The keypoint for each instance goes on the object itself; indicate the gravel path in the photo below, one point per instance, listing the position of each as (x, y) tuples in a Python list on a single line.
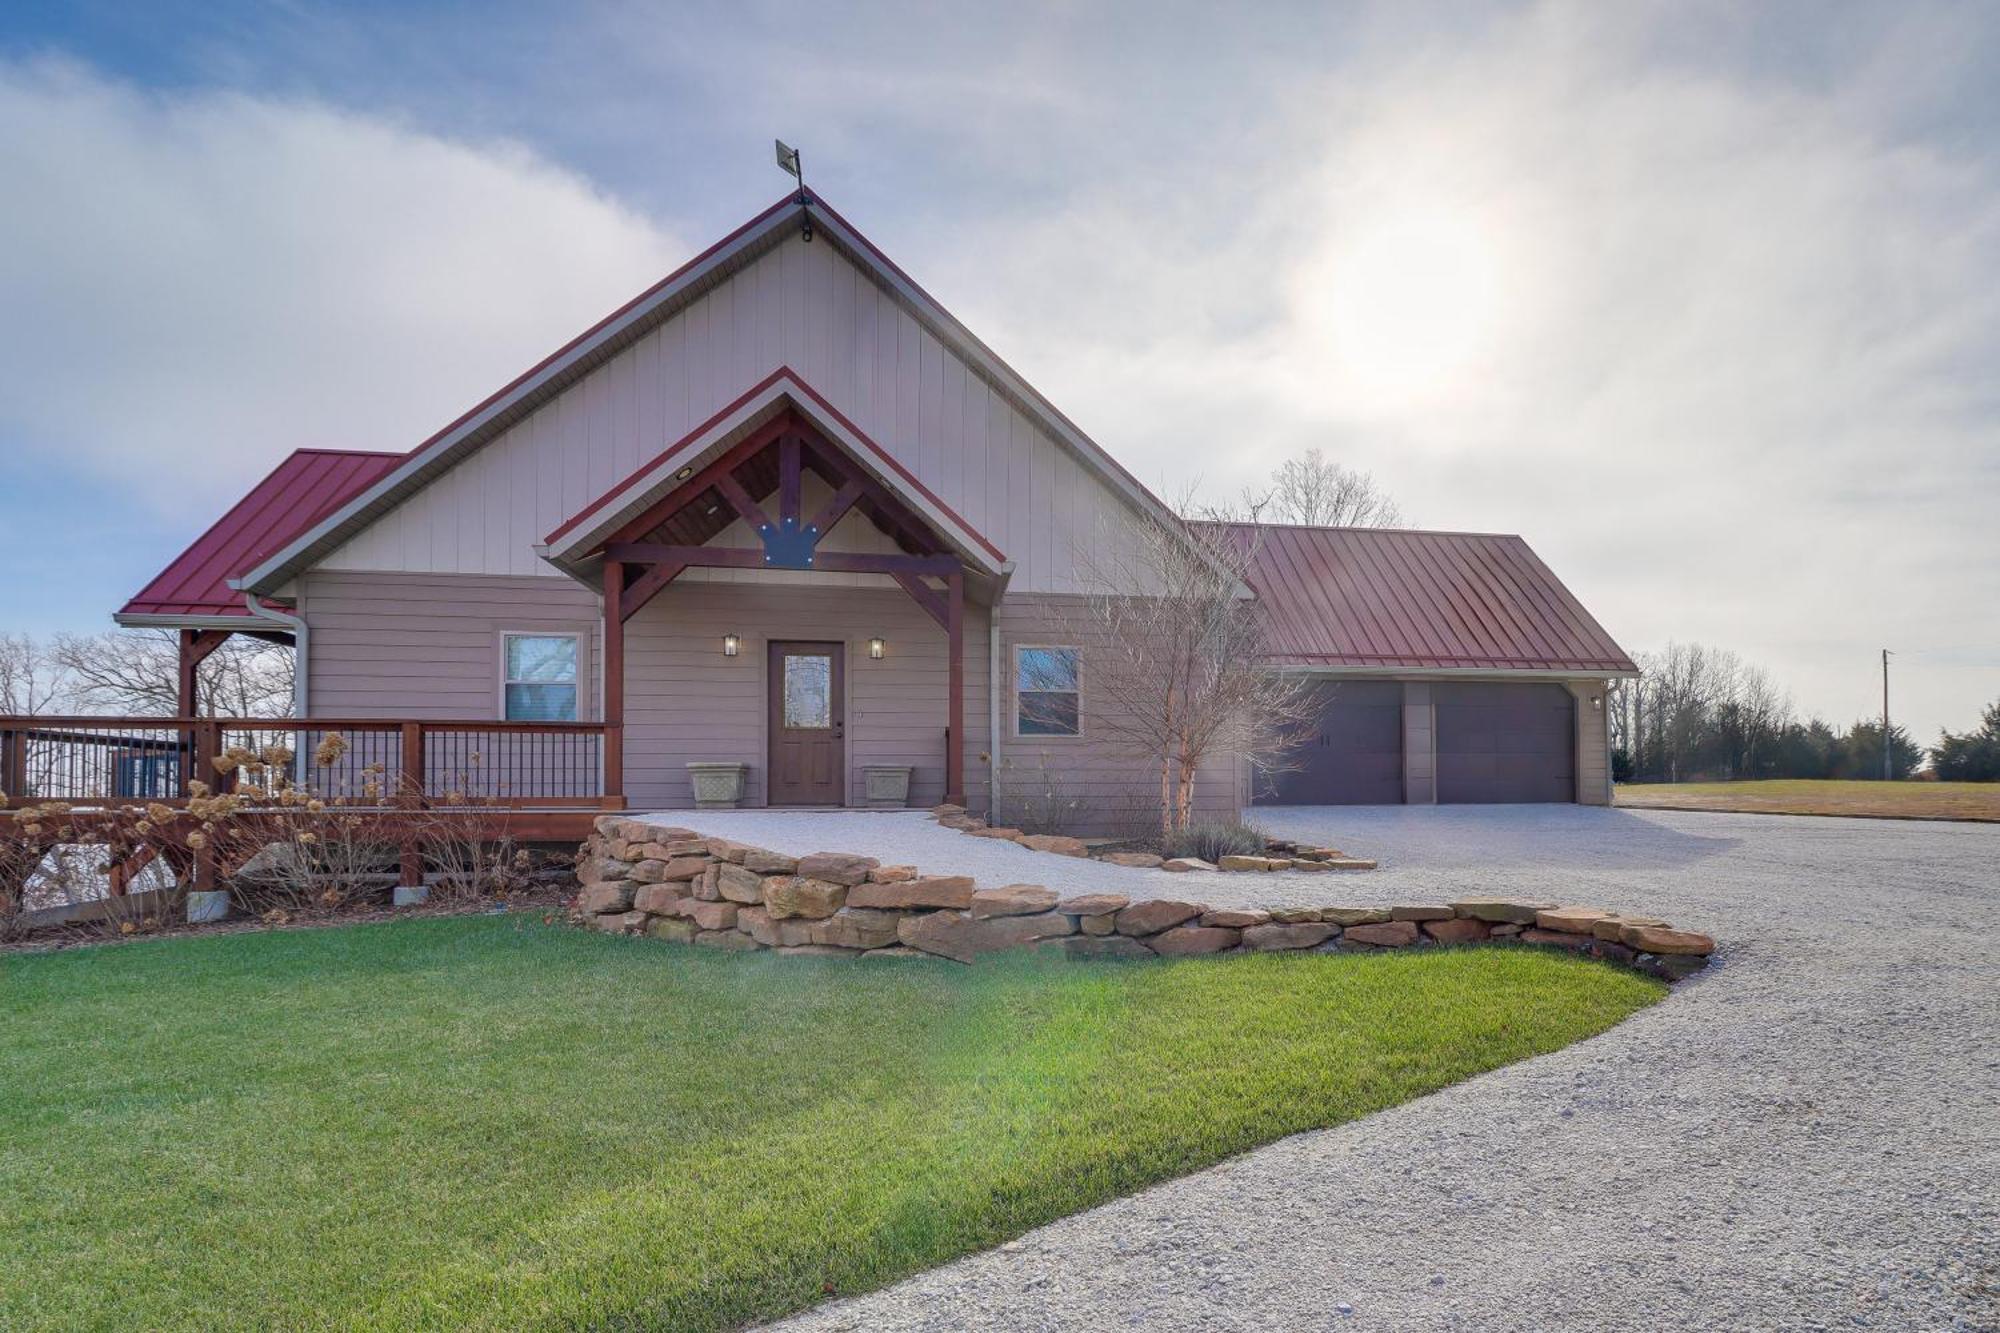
[(1807, 1136)]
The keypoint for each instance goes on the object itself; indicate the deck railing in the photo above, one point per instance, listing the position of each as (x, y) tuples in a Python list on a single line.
[(434, 764)]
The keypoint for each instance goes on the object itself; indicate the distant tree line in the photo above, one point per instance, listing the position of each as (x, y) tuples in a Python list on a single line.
[(1702, 713)]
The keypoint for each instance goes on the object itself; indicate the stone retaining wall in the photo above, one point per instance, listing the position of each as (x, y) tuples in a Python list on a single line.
[(675, 884)]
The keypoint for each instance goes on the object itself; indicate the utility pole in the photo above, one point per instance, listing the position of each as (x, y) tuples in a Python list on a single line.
[(1888, 771)]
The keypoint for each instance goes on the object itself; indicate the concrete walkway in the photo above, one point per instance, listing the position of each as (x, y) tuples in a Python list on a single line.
[(1807, 1136)]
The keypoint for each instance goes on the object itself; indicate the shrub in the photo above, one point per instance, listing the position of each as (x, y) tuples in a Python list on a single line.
[(1213, 841)]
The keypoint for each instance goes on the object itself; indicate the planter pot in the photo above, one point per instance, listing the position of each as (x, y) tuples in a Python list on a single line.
[(717, 786), (887, 785), (206, 905)]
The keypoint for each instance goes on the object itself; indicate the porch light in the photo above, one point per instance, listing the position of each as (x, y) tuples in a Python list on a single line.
[(876, 647), (731, 644)]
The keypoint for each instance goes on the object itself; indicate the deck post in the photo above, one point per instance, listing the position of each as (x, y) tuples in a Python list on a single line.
[(954, 755), (614, 679), (13, 767)]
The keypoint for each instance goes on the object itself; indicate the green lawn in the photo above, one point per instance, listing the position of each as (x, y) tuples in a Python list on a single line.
[(1800, 796), (496, 1123)]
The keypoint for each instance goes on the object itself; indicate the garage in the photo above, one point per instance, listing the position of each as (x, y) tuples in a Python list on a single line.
[(1505, 743), (1353, 755)]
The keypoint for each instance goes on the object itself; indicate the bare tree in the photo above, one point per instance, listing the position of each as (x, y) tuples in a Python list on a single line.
[(135, 671), (1309, 491), (32, 680), (1174, 656)]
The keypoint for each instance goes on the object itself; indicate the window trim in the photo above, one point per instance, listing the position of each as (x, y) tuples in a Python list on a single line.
[(583, 667), (1014, 693)]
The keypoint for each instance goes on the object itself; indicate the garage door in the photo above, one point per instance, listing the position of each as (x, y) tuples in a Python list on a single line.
[(1354, 755), (1500, 743)]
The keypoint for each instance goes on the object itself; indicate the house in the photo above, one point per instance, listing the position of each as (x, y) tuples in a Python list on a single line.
[(783, 510)]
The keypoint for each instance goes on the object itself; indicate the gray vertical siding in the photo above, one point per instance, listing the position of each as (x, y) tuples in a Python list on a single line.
[(1419, 745)]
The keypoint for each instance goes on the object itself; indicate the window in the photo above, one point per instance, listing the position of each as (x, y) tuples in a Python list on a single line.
[(808, 692), (1045, 692), (540, 677)]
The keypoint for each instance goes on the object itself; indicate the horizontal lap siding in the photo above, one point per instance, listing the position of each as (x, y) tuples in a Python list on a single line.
[(685, 701), (1116, 790), (427, 646)]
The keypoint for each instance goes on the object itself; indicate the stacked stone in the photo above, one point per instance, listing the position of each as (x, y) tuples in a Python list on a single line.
[(1278, 854), (675, 884)]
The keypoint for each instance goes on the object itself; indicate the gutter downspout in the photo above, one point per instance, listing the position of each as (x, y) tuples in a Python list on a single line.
[(301, 643), (993, 711)]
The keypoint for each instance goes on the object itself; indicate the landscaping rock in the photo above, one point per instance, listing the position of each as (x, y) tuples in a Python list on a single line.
[(648, 872), (609, 896), (735, 941), (1295, 916), (1612, 927), (1613, 952), (1098, 925), (963, 823), (1664, 940), (892, 874), (1382, 934), (856, 928), (683, 868), (1571, 920), (659, 899), (1136, 860), (671, 929), (1349, 863), (602, 870), (1094, 904), (621, 923), (1671, 967), (769, 863), (1281, 935), (712, 916), (820, 951), (738, 885), (801, 895), (1012, 900), (953, 891), (1261, 863), (947, 809), (1354, 916), (1099, 947), (1561, 939), (724, 850), (1307, 863), (836, 868), (954, 935), (1458, 930), (709, 886), (1421, 913), (1507, 910), (1506, 930), (1155, 915), (896, 951), (1183, 864), (1193, 940), (1235, 918), (1053, 842), (676, 847), (756, 922), (1004, 834)]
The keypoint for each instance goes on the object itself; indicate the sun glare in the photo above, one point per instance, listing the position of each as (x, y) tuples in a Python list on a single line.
[(1406, 305)]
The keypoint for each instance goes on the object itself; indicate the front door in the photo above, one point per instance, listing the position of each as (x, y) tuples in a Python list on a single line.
[(808, 724)]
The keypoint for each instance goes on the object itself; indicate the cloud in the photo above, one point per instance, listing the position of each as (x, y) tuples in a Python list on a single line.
[(1726, 363), (195, 284)]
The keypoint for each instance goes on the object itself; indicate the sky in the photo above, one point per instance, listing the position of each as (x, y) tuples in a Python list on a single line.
[(1700, 298)]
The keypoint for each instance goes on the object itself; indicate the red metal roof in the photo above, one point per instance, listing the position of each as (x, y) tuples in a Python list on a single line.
[(298, 493), (1395, 598)]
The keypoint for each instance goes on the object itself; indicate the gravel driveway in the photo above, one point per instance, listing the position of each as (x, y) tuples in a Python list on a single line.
[(1806, 1136)]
